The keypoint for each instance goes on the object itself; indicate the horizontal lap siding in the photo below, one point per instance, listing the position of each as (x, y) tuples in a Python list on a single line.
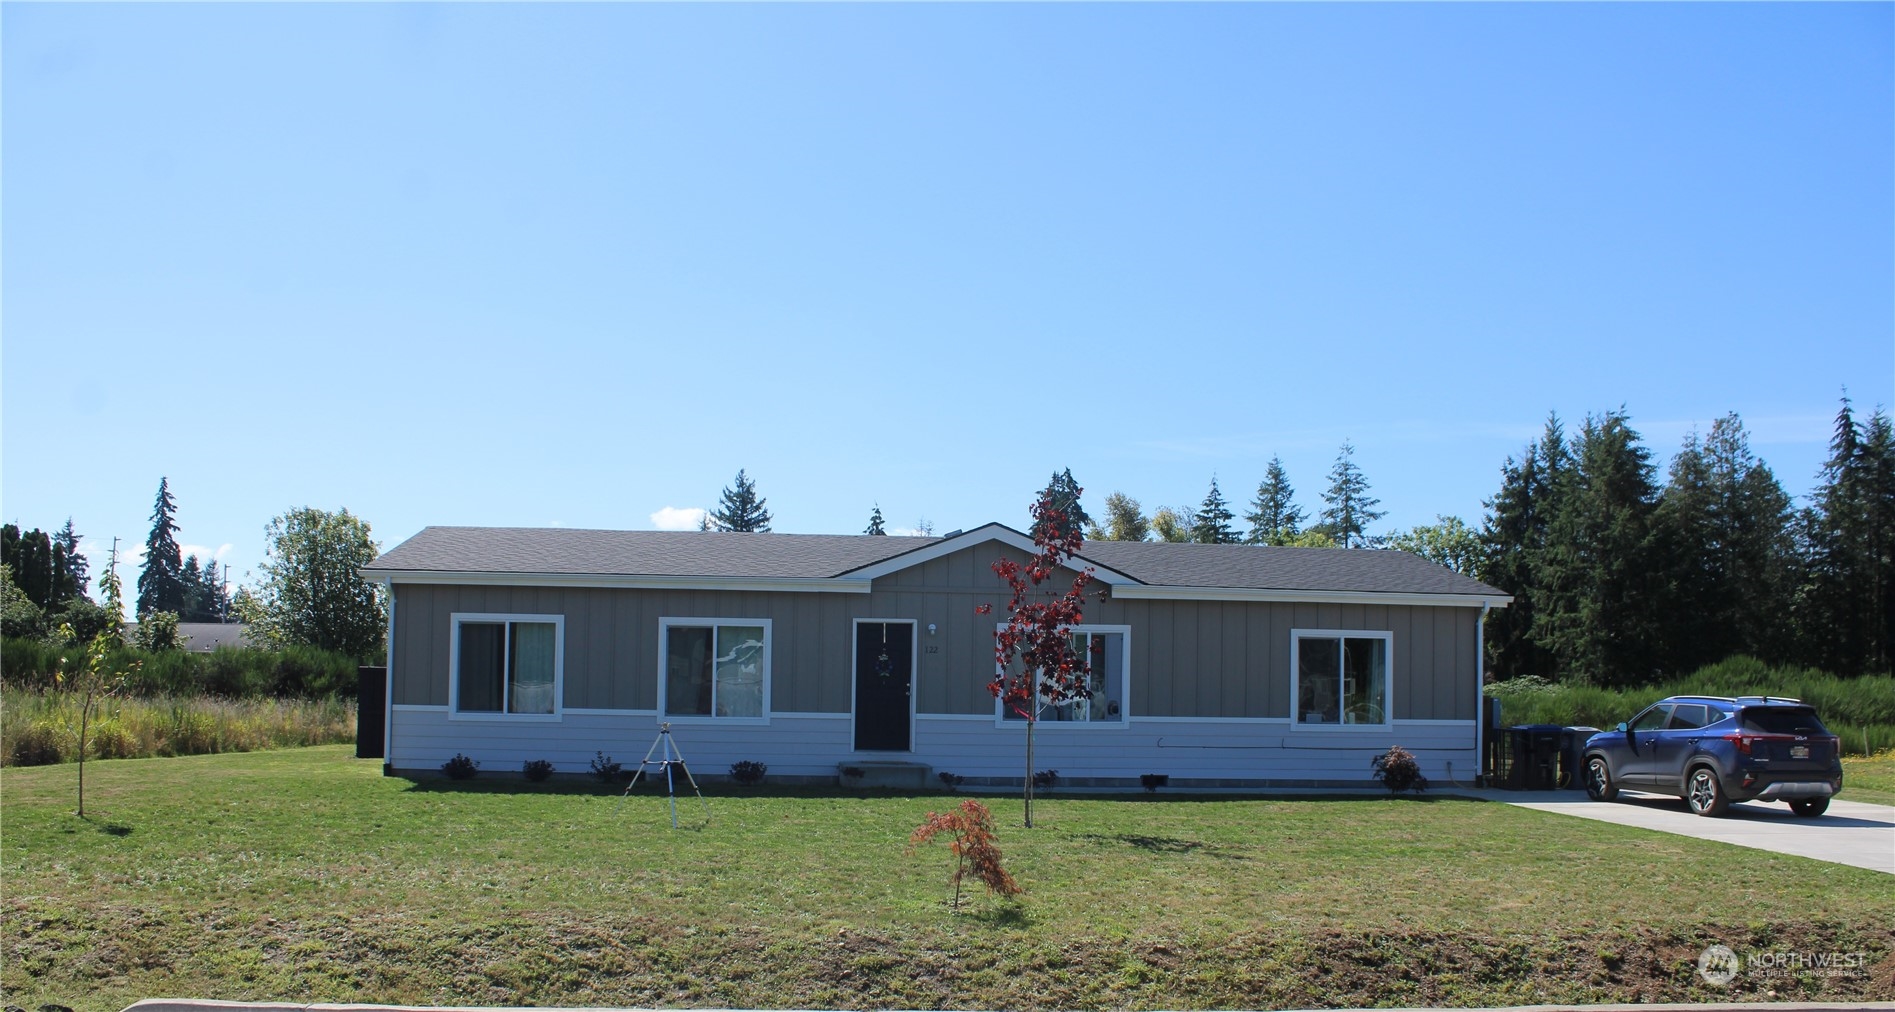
[(1216, 751), (801, 746), (815, 746)]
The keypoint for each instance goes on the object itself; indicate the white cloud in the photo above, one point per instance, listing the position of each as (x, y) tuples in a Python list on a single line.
[(205, 552), (678, 518)]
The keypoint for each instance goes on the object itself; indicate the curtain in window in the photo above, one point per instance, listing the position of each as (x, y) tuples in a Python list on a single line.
[(1364, 680), (482, 666), (531, 690), (740, 671)]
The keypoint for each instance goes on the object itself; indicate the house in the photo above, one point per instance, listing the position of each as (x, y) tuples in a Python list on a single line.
[(1227, 665)]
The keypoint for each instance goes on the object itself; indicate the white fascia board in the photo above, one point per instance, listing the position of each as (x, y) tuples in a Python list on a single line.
[(1146, 592), (980, 535), (831, 585)]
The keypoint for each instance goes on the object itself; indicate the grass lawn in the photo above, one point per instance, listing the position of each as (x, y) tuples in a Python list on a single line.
[(304, 875), (1869, 778)]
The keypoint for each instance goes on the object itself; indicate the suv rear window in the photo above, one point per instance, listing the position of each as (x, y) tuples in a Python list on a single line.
[(1783, 720)]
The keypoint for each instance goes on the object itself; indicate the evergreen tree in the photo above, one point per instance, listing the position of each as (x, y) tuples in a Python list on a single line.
[(1274, 517), (1211, 526), (193, 590), (1513, 537), (1725, 529), (1064, 492), (29, 555), (875, 522), (1124, 520), (161, 583), (74, 570), (741, 509), (1842, 606), (1597, 585), (1349, 508)]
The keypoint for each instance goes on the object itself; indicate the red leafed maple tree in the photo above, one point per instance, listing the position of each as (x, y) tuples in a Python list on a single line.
[(972, 829), (1035, 663)]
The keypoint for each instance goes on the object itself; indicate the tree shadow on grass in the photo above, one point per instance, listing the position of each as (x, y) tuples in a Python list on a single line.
[(1162, 845), (1002, 915)]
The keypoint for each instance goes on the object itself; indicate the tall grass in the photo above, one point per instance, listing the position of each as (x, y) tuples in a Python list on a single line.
[(1860, 710), (40, 726)]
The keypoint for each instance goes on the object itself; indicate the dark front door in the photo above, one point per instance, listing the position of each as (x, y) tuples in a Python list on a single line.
[(884, 679)]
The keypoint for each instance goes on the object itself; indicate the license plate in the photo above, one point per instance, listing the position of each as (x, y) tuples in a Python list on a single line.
[(1799, 751)]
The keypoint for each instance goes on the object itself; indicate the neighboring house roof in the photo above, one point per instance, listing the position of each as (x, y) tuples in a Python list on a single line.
[(851, 561), (203, 637)]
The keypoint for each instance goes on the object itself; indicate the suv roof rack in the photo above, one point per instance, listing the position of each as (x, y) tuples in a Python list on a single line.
[(1768, 699)]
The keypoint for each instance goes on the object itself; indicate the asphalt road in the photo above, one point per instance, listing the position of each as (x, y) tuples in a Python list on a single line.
[(1851, 832)]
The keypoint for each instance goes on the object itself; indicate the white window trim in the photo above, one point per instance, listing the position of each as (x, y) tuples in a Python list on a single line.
[(454, 666), (664, 641), (1125, 686), (1297, 636)]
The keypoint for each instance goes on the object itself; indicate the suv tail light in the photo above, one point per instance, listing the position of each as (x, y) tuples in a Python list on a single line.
[(1746, 740)]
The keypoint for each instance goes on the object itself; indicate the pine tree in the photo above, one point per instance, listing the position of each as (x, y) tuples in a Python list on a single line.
[(160, 583), (1843, 606), (1274, 517), (74, 570), (1598, 579), (741, 509), (1725, 525), (193, 582), (1064, 492), (1124, 520), (1513, 537), (1350, 509), (875, 522), (1212, 523)]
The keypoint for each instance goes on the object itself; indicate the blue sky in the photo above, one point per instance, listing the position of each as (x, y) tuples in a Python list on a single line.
[(576, 265)]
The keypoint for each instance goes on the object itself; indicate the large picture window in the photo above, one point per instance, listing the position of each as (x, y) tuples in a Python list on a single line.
[(507, 664), (1104, 648), (716, 667), (1340, 677)]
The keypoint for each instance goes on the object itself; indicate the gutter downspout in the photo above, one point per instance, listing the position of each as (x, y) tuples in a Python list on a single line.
[(388, 692), (1480, 696)]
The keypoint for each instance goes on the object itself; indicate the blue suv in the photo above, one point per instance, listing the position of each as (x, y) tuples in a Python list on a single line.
[(1713, 750)]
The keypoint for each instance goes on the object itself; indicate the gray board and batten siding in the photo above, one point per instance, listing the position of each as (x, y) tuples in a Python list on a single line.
[(1207, 676)]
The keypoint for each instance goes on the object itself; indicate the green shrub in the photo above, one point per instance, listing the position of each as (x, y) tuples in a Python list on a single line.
[(1860, 710), (236, 672)]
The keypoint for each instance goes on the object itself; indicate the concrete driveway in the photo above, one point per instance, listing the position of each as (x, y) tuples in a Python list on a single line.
[(1851, 832)]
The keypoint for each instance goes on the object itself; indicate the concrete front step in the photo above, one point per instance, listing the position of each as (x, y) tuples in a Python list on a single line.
[(885, 773)]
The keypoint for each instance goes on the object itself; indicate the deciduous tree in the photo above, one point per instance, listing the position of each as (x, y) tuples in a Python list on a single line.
[(313, 591), (1124, 521), (1035, 661), (1448, 542)]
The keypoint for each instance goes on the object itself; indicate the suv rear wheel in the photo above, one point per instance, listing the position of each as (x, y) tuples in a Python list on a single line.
[(1809, 808), (1704, 793), (1599, 785)]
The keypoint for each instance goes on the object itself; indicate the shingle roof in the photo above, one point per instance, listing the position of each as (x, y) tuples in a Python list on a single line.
[(1256, 567), (574, 552), (571, 552)]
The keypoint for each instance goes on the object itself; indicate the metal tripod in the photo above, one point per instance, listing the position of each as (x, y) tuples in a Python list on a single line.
[(672, 757)]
